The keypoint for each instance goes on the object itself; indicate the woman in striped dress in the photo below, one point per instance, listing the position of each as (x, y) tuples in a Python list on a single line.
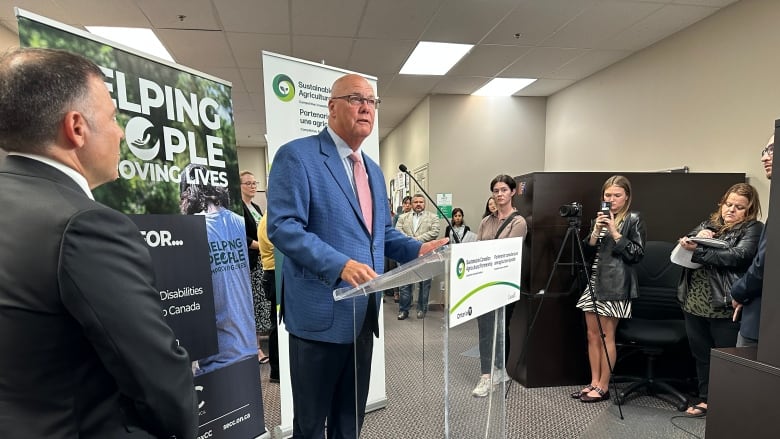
[(617, 239)]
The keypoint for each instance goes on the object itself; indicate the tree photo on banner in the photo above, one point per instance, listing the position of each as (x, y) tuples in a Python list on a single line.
[(179, 157), (171, 118)]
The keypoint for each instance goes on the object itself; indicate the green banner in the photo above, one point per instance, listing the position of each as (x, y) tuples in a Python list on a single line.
[(179, 157), (171, 117)]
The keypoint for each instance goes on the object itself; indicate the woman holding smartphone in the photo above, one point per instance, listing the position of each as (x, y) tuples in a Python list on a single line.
[(616, 242)]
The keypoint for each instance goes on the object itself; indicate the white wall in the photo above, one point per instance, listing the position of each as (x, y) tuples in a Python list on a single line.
[(475, 138), (706, 97), (408, 143), (468, 140)]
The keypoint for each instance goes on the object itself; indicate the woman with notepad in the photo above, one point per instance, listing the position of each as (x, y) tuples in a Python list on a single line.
[(724, 245)]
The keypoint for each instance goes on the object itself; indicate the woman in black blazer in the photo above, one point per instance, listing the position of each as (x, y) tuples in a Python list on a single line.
[(616, 241)]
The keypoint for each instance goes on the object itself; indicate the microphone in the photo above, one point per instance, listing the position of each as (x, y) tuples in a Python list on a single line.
[(402, 167)]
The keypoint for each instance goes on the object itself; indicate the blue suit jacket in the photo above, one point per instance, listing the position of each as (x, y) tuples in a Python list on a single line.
[(747, 291), (314, 219)]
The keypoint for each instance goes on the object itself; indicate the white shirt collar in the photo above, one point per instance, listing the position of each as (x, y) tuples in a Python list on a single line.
[(342, 147), (70, 172)]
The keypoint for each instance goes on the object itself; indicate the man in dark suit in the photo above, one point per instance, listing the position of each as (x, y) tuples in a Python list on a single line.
[(746, 291), (333, 226), (85, 350)]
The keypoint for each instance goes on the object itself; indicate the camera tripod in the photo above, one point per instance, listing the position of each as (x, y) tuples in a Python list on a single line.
[(579, 267)]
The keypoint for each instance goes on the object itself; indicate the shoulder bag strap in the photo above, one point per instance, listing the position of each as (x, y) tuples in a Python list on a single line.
[(506, 223)]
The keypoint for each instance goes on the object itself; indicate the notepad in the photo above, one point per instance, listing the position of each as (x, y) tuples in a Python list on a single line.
[(710, 242), (681, 256)]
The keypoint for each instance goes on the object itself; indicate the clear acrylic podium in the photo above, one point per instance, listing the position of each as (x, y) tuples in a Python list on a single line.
[(440, 361)]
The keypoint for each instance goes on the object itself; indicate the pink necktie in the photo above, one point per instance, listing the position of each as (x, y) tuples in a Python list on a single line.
[(363, 190)]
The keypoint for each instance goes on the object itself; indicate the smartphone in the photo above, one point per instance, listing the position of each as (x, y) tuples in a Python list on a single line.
[(605, 207)]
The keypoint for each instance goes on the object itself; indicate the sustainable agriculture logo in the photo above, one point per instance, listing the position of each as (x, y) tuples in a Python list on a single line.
[(284, 89), (460, 268)]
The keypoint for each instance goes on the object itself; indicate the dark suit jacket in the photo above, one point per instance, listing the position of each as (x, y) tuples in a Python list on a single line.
[(314, 219), (84, 350), (747, 291)]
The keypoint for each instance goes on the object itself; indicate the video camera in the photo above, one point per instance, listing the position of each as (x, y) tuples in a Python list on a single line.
[(571, 210)]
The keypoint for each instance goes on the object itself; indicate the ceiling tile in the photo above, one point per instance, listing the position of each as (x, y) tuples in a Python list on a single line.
[(250, 118), (180, 14), (229, 74), (397, 19), (46, 8), (253, 80), (587, 64), (308, 17), (333, 51), (241, 101), (540, 62), (488, 60), (466, 21), (599, 22), (8, 37), (536, 20), (657, 26), (384, 131), (394, 110), (407, 86), (713, 3), (460, 85), (189, 46), (248, 48), (559, 40), (258, 101), (545, 87), (107, 13), (261, 16), (377, 57), (250, 134), (10, 25)]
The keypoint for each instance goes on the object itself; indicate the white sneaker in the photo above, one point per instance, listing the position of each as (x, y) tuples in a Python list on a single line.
[(500, 376), (483, 388)]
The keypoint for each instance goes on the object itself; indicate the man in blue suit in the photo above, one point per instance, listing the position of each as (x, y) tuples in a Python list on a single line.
[(746, 291), (332, 237)]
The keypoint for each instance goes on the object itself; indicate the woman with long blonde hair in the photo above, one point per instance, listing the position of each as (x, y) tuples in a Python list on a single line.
[(616, 242)]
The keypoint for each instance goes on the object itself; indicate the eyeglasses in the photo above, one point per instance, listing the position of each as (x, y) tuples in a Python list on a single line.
[(250, 183), (769, 150), (356, 100)]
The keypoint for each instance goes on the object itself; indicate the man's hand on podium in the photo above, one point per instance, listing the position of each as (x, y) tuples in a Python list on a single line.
[(355, 273), (430, 246)]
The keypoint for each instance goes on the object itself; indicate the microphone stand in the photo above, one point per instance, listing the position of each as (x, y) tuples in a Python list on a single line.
[(405, 170)]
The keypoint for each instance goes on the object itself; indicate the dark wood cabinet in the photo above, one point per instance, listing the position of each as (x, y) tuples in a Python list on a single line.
[(553, 351)]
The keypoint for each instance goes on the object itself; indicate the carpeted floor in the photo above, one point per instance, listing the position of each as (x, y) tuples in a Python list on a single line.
[(416, 408)]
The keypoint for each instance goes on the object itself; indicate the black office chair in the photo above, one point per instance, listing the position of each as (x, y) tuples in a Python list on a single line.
[(657, 324)]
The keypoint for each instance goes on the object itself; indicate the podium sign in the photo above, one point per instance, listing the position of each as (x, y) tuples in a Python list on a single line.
[(484, 276), (480, 277)]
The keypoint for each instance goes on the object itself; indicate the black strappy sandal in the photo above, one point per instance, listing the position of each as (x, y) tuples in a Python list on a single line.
[(578, 394), (603, 396)]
